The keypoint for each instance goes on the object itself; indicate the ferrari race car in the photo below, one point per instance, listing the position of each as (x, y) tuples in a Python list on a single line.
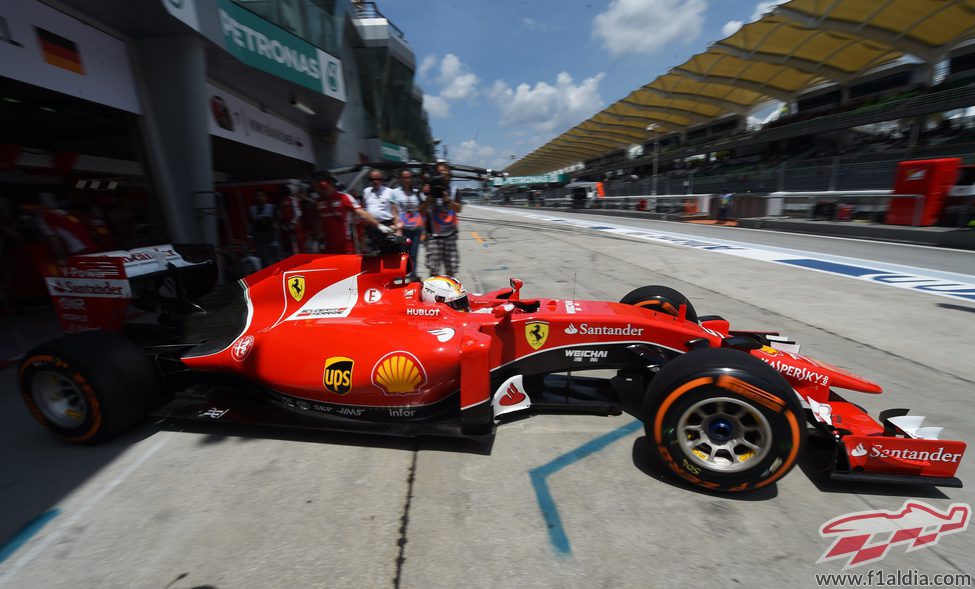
[(348, 343)]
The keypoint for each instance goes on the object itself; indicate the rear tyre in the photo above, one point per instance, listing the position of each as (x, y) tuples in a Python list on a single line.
[(724, 420), (662, 299), (90, 386)]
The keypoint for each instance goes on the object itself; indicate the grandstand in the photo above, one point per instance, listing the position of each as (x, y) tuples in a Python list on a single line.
[(852, 87)]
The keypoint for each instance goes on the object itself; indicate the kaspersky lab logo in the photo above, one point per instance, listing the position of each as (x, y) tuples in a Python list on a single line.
[(865, 537)]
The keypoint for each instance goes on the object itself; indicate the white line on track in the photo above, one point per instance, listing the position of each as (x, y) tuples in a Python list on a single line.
[(777, 232), (850, 239), (60, 529), (934, 282)]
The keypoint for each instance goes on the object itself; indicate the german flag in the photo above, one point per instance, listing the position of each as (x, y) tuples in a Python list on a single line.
[(59, 51)]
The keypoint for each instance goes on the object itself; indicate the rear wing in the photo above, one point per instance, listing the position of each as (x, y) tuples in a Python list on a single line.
[(94, 291)]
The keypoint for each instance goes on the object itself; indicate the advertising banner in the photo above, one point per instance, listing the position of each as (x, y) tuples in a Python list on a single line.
[(233, 118), (262, 44), (539, 179), (393, 152), (184, 10), (47, 48)]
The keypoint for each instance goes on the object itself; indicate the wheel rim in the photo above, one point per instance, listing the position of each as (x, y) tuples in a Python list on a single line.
[(59, 399), (724, 434)]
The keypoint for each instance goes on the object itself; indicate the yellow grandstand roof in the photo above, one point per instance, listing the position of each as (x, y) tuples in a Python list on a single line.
[(831, 54), (718, 67), (722, 95), (802, 44), (933, 24)]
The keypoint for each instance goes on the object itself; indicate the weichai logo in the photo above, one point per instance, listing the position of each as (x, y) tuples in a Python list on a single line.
[(338, 375)]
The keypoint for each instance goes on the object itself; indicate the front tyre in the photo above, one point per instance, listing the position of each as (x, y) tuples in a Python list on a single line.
[(89, 387), (662, 299), (724, 420)]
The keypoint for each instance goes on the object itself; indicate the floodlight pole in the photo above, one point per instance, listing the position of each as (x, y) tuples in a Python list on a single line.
[(656, 154)]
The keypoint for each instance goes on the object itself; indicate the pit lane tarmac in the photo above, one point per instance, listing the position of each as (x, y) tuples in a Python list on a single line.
[(161, 508)]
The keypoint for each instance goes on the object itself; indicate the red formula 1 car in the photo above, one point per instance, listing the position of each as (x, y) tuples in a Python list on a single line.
[(347, 343)]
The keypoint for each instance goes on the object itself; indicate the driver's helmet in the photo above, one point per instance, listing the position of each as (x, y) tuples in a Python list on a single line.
[(445, 289)]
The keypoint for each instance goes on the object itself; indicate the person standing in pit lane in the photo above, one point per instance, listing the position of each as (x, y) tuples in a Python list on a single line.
[(381, 204), (441, 209), (67, 235), (289, 212), (724, 206), (407, 201), (311, 223), (338, 211), (264, 229)]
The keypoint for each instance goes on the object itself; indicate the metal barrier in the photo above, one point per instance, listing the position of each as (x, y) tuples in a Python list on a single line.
[(812, 206), (829, 205), (685, 204), (849, 172)]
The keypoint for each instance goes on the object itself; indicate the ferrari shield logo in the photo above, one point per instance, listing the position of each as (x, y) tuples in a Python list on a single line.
[(536, 332), (296, 286)]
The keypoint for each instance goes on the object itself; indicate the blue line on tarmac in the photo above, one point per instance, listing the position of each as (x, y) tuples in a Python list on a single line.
[(833, 267), (546, 503), (26, 533), (946, 284)]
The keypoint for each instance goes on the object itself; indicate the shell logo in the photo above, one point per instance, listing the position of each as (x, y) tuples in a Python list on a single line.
[(399, 373)]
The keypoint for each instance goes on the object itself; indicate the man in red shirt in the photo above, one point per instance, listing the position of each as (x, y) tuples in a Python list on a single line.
[(336, 210), (66, 233), (289, 214)]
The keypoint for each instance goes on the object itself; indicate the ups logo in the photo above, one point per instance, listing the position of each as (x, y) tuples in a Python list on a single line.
[(338, 375)]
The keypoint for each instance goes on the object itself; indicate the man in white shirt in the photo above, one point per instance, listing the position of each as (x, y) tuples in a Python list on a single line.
[(379, 202)]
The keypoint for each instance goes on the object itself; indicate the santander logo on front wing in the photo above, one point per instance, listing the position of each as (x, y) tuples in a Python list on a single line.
[(904, 455)]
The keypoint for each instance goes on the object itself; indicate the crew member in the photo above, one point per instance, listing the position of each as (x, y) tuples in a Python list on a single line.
[(724, 206), (264, 229), (309, 222), (338, 211), (67, 234), (289, 211)]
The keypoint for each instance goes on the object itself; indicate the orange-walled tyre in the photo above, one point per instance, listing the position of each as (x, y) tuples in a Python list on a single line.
[(90, 386), (724, 420), (662, 299)]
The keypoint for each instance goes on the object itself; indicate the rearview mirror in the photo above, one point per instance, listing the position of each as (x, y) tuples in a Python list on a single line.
[(516, 286)]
